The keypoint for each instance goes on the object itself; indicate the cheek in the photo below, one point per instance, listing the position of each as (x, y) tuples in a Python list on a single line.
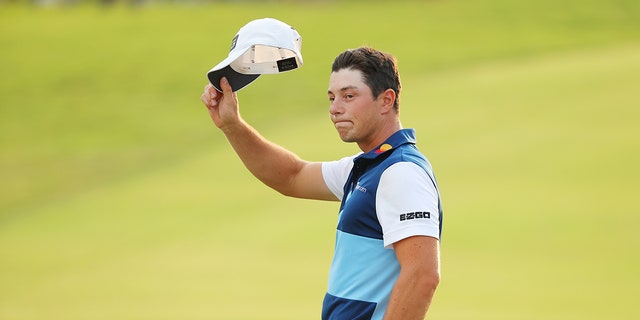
[(358, 112), (364, 115)]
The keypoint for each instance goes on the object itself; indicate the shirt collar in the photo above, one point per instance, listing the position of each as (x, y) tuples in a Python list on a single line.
[(397, 139)]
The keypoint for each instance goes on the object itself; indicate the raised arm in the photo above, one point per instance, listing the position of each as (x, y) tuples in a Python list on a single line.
[(275, 166)]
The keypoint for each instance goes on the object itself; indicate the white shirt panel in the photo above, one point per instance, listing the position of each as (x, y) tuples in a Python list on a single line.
[(405, 188), (336, 173)]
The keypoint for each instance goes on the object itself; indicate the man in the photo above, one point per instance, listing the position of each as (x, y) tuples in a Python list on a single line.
[(386, 262)]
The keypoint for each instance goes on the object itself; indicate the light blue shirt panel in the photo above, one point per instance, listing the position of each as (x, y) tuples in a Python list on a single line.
[(368, 271)]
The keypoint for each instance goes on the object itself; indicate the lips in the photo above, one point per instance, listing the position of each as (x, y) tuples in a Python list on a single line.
[(341, 123), (337, 121)]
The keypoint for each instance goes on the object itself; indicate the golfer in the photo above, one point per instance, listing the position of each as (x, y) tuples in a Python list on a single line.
[(386, 262)]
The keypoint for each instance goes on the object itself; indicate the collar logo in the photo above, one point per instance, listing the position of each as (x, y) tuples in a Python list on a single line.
[(383, 148)]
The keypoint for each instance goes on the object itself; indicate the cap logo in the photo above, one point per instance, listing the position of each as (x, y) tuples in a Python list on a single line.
[(234, 42), (287, 64)]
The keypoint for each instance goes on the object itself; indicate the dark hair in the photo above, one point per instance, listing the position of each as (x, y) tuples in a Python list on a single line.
[(379, 69)]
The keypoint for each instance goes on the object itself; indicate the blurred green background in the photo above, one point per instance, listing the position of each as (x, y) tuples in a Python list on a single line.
[(121, 200)]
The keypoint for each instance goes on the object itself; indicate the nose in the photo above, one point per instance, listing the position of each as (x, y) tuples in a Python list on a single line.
[(335, 108)]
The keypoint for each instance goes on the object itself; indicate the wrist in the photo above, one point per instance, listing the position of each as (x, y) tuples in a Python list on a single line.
[(234, 128)]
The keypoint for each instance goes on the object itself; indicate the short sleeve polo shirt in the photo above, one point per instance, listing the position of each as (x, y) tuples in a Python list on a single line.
[(388, 194)]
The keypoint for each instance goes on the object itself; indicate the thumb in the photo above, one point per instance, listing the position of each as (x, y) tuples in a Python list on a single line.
[(225, 86), (228, 95)]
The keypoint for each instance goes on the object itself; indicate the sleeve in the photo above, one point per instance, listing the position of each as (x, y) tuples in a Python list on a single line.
[(336, 173), (407, 203)]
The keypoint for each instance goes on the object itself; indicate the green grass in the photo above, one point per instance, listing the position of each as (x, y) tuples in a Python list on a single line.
[(122, 201)]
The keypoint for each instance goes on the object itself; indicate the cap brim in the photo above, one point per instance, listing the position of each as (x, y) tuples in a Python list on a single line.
[(236, 80), (223, 69)]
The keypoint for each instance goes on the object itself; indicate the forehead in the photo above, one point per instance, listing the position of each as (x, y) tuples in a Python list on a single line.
[(346, 78)]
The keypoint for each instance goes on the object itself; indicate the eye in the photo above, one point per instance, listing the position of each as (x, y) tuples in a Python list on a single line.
[(331, 99), (348, 96)]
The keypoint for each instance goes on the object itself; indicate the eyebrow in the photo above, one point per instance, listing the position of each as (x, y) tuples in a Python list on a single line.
[(344, 89)]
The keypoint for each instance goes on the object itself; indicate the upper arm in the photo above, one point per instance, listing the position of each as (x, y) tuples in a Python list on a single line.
[(419, 254), (320, 180), (407, 203), (308, 183)]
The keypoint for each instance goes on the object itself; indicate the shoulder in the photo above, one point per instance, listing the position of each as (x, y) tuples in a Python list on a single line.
[(338, 167), (404, 173), (335, 174)]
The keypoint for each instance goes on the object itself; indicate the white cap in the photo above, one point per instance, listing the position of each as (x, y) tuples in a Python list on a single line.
[(262, 46)]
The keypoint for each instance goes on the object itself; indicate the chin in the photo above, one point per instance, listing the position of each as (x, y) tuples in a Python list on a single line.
[(348, 139), (347, 136)]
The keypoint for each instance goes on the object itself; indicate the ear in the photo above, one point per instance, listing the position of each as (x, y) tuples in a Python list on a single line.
[(388, 98)]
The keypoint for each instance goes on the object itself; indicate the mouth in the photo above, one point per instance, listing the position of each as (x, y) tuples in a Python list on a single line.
[(341, 123), (335, 120)]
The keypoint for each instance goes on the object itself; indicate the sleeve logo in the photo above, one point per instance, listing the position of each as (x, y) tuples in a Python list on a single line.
[(415, 215)]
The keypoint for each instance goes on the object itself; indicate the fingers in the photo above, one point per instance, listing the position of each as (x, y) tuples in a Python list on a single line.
[(210, 96), (222, 106), (211, 90)]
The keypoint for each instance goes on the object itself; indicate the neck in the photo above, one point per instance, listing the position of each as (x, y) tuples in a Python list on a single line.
[(381, 136)]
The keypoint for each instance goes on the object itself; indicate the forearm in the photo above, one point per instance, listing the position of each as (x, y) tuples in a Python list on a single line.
[(411, 297), (275, 166), (270, 163)]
